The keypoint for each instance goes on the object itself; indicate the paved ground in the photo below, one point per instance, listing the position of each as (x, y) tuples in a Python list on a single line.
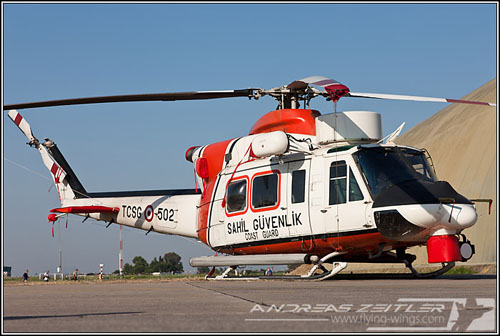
[(368, 303)]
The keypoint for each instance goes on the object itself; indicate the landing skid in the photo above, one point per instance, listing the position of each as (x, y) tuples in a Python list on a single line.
[(336, 268), (446, 267)]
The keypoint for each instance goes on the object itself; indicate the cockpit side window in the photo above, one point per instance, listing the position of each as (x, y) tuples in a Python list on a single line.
[(338, 184), (354, 191)]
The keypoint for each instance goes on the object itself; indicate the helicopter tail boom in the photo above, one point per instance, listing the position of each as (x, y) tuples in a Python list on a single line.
[(164, 211)]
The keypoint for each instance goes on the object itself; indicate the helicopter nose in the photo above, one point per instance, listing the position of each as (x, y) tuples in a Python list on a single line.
[(413, 210), (417, 221), (450, 216), (458, 216)]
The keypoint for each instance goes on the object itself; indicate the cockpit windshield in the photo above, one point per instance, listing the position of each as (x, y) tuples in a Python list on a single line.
[(419, 162), (384, 167)]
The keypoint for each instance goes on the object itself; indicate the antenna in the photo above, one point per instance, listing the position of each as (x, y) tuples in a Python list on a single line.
[(120, 255), (59, 240)]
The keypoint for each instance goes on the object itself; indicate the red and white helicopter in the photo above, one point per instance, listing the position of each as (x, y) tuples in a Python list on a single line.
[(302, 187)]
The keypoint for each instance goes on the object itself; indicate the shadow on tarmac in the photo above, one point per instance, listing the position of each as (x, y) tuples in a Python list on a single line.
[(374, 276), (7, 318)]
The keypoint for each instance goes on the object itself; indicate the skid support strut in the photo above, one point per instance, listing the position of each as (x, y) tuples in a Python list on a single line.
[(336, 268), (445, 268)]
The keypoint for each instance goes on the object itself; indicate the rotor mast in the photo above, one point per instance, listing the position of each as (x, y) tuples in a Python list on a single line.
[(289, 96)]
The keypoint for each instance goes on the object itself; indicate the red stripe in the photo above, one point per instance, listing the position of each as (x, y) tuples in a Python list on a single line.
[(54, 169), (358, 244), (466, 102), (18, 119)]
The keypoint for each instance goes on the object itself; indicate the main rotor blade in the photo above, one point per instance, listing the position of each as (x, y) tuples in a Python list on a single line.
[(335, 89), (194, 95), (415, 98), (320, 81)]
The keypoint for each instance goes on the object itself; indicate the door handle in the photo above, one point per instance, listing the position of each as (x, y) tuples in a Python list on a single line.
[(325, 209)]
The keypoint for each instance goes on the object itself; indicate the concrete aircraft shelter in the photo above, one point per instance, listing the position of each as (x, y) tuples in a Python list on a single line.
[(462, 141)]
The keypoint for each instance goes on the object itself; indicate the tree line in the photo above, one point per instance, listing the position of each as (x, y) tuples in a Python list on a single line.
[(168, 263), (171, 263)]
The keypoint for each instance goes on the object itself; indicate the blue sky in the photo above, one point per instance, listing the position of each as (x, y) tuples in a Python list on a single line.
[(56, 51)]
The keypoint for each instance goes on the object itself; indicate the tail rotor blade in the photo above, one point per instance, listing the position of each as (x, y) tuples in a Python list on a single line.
[(23, 125), (416, 98), (58, 174)]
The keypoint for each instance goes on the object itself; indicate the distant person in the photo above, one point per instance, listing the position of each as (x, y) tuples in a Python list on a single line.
[(75, 275), (25, 276), (46, 276)]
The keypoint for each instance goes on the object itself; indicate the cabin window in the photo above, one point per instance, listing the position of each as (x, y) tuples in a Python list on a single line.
[(265, 191), (236, 199), (298, 186), (338, 180)]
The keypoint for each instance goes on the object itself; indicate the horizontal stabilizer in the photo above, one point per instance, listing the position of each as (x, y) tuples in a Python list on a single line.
[(87, 209)]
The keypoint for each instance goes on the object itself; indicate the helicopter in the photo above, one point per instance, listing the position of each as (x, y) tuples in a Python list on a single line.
[(301, 188)]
